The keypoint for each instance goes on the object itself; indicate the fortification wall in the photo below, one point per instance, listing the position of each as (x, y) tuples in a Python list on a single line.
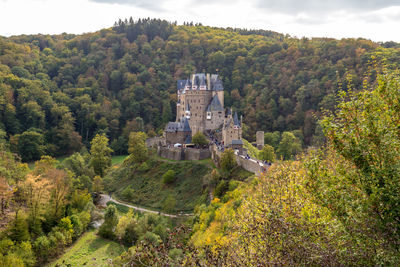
[(196, 154), (177, 153), (250, 165), (174, 153), (155, 142)]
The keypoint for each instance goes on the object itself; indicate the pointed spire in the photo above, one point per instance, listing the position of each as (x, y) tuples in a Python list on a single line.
[(186, 126), (215, 105)]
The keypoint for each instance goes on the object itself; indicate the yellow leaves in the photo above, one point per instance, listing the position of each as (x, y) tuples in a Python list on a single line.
[(215, 201)]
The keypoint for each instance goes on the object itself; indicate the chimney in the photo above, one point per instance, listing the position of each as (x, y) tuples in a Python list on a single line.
[(208, 81)]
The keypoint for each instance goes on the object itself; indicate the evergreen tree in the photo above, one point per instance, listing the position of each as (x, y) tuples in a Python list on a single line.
[(19, 229)]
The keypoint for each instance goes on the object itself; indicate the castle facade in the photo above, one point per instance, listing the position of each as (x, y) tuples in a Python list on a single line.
[(200, 108), (201, 101)]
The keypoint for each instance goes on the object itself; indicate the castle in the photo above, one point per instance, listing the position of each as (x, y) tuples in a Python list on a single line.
[(200, 108)]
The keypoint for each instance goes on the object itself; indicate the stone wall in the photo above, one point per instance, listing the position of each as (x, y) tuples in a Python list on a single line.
[(174, 153), (217, 119), (176, 137), (178, 153), (155, 142), (198, 101), (250, 165), (260, 139)]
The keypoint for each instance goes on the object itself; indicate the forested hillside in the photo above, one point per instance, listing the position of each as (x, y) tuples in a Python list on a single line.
[(58, 91)]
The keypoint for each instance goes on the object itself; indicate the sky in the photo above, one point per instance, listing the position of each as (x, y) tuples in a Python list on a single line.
[(378, 20)]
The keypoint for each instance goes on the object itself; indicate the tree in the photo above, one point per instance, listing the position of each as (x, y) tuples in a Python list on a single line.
[(137, 146), (6, 193), (365, 131), (29, 145), (288, 146), (19, 229), (272, 139), (37, 192), (199, 139), (126, 230), (97, 184), (60, 188), (110, 222), (228, 161), (100, 154), (169, 204), (267, 153), (42, 248)]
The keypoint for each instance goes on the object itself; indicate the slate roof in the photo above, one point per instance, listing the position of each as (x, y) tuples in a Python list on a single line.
[(199, 79), (180, 84), (188, 83), (182, 126), (172, 127), (237, 142), (236, 119), (188, 139), (185, 125), (217, 85), (215, 105)]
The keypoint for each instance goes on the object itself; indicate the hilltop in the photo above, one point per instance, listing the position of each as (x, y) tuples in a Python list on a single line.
[(58, 91)]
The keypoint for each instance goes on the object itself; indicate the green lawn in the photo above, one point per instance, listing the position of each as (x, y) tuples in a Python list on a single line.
[(146, 187), (89, 250), (115, 160)]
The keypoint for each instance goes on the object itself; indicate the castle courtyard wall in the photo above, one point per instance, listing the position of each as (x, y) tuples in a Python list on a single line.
[(178, 153)]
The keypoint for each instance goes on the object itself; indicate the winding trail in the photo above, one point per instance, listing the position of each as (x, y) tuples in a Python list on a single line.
[(106, 198)]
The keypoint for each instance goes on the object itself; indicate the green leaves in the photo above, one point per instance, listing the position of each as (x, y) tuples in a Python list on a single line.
[(100, 158), (365, 131)]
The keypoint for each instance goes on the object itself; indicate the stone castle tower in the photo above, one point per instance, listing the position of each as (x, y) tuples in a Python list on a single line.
[(201, 101), (232, 130), (200, 108)]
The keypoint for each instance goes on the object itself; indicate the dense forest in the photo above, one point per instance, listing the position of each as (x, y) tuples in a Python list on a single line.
[(58, 91), (83, 98)]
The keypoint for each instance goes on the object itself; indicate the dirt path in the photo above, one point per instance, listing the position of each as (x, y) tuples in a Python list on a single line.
[(106, 198)]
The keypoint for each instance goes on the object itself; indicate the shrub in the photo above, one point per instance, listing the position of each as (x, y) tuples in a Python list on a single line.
[(169, 177), (143, 167), (151, 238), (221, 188), (169, 204)]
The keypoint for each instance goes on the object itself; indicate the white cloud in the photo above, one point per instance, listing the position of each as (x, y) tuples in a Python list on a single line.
[(376, 21)]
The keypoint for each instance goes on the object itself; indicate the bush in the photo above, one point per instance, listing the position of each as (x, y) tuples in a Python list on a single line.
[(169, 204), (143, 167), (151, 238), (175, 253), (221, 188), (127, 193), (169, 177), (42, 247)]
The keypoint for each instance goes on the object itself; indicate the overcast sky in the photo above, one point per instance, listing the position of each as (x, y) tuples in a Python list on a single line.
[(378, 20)]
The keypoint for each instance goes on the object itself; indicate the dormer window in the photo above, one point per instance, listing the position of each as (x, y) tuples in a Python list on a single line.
[(208, 115)]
